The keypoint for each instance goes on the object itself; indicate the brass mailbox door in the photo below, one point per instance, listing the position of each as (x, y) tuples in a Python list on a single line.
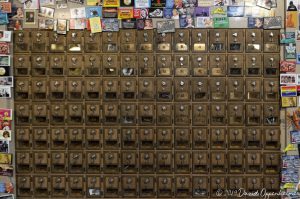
[(199, 65), (182, 40), (182, 89), (22, 65), (271, 41), (182, 65), (111, 65), (110, 42), (57, 63), (271, 89), (200, 138), (235, 65), (235, 89), (22, 40), (92, 42), (254, 41), (199, 40), (271, 65), (22, 88), (253, 65), (57, 42), (128, 65), (164, 65), (128, 40), (75, 41), (217, 65), (236, 40), (74, 65), (145, 40), (39, 65), (200, 89), (92, 65), (218, 89), (200, 114), (146, 65), (163, 42)]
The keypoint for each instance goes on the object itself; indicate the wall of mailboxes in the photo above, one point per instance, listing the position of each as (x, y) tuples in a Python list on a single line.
[(142, 114)]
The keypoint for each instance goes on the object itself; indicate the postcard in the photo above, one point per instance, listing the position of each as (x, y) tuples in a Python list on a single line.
[(288, 79), (3, 19), (95, 24), (290, 51), (5, 124), (165, 26), (31, 4), (111, 3), (7, 81), (142, 13), (202, 12), (125, 13), (255, 22), (30, 16), (235, 11), (5, 158), (175, 14), (47, 24), (187, 22), (295, 136), (94, 192), (142, 3), (46, 12), (77, 24), (16, 13), (170, 4), (287, 66), (5, 134), (207, 3), (5, 7), (288, 102), (110, 25), (189, 3), (237, 2), (94, 2), (78, 13), (4, 48), (158, 3), (61, 26), (95, 11), (168, 13), (178, 4), (221, 2), (204, 22), (47, 2), (264, 4), (287, 37), (6, 170), (220, 11), (291, 19), (272, 22), (127, 3), (140, 24), (61, 4), (4, 70), (4, 146), (5, 92), (109, 12), (128, 23), (156, 12), (5, 36), (77, 1), (5, 114), (221, 22), (4, 60), (288, 91)]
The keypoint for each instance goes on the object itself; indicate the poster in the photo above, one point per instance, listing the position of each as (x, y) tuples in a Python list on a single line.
[(288, 102), (288, 91), (111, 3), (290, 51), (5, 7), (95, 24), (95, 11), (291, 19), (125, 13)]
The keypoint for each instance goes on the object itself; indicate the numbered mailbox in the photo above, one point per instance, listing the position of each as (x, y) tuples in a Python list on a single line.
[(217, 40), (217, 183), (163, 42), (235, 89), (218, 138), (271, 183), (128, 89), (271, 89), (200, 162), (129, 162), (218, 162), (111, 114), (271, 65), (23, 113), (110, 89), (217, 64), (147, 138), (199, 65), (236, 112), (272, 163), (200, 90), (182, 89), (57, 42), (111, 138), (24, 186), (92, 65), (182, 65), (145, 40), (92, 42), (39, 65), (57, 113), (271, 41), (111, 162), (94, 183), (129, 186), (200, 114), (235, 65), (147, 162), (22, 88), (164, 65), (253, 114), (146, 65), (92, 89), (110, 42), (76, 138), (22, 65), (39, 89), (182, 40), (128, 114), (182, 186), (200, 186), (271, 114), (200, 138), (236, 163), (164, 138), (271, 138), (128, 41), (75, 65), (59, 139), (182, 114), (57, 89), (254, 40), (76, 186), (218, 89), (146, 89), (236, 138), (23, 161), (22, 41), (164, 89), (146, 114), (254, 183), (164, 114), (93, 162), (58, 186), (23, 139), (164, 161), (182, 162), (182, 138), (236, 40), (41, 185), (40, 138), (253, 65), (218, 114), (111, 186), (58, 162), (39, 41), (129, 138), (253, 138), (128, 65), (147, 186), (75, 113), (57, 64), (93, 138), (75, 41), (235, 182), (253, 162), (253, 89), (40, 114), (93, 113), (110, 65), (165, 186), (199, 40)]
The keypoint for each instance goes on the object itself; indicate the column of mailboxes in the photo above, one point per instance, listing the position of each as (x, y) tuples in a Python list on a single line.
[(186, 111)]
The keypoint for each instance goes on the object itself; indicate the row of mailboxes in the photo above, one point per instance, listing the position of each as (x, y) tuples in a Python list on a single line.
[(183, 40), (145, 186), (166, 89), (148, 65), (148, 138), (236, 114)]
